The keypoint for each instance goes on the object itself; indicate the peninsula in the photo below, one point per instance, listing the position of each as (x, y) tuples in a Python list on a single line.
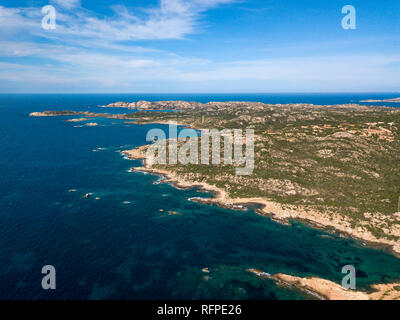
[(334, 167), (384, 100)]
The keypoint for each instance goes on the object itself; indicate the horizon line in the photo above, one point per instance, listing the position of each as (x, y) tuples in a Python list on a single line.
[(200, 93)]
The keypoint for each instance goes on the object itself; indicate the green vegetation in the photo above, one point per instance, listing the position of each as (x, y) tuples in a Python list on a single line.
[(343, 159)]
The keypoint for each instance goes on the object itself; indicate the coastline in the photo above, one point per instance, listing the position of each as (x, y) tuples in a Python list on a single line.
[(319, 288), (323, 289), (394, 100), (332, 222), (329, 221)]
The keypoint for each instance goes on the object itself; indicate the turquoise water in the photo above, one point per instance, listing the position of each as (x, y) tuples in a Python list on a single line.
[(114, 250)]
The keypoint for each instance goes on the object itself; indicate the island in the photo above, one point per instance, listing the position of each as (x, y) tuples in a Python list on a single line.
[(384, 100), (335, 167)]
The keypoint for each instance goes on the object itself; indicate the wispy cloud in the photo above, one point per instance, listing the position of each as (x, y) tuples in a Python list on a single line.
[(67, 4), (89, 53)]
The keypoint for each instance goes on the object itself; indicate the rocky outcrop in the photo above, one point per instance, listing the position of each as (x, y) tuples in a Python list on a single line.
[(82, 113), (328, 290), (384, 100)]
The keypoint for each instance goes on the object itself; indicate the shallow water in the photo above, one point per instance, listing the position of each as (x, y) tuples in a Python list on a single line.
[(122, 246)]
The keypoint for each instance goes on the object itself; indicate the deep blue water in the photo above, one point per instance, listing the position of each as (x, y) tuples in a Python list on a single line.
[(114, 250)]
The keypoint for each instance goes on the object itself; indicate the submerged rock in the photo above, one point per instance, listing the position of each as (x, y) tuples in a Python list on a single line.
[(91, 124), (174, 213), (205, 270)]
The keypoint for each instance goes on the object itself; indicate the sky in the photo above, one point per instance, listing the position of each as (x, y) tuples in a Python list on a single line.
[(199, 46)]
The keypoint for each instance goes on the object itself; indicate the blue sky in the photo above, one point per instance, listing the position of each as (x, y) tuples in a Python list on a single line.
[(159, 46)]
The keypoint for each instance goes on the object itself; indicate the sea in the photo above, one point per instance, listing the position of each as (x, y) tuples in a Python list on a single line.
[(121, 242)]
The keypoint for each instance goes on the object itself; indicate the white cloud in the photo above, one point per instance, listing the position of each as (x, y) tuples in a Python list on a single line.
[(93, 54), (171, 19), (98, 72), (345, 69), (67, 4), (85, 47)]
